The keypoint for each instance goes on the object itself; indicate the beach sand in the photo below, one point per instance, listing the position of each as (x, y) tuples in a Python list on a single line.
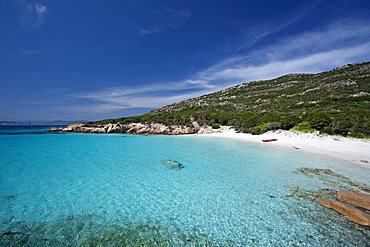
[(346, 149)]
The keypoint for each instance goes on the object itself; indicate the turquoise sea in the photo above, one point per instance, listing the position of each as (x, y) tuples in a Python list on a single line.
[(113, 190)]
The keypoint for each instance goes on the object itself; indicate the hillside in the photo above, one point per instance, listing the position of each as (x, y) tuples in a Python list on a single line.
[(333, 102)]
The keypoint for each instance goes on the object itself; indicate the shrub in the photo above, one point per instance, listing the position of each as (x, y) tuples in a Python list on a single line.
[(319, 120), (215, 126), (304, 127), (262, 128)]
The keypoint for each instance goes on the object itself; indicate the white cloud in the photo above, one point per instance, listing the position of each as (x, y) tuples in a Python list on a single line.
[(310, 52), (257, 33), (306, 64), (148, 96), (27, 52), (311, 63), (33, 14), (160, 19), (40, 9), (112, 104)]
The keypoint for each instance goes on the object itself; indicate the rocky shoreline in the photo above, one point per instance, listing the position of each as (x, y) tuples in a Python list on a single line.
[(137, 128)]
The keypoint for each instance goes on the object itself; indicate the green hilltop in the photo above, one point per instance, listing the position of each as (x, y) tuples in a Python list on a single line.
[(332, 102)]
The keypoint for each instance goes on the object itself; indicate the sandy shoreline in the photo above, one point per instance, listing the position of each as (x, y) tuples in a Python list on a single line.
[(346, 149)]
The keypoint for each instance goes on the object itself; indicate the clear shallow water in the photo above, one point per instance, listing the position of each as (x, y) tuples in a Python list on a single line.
[(68, 186)]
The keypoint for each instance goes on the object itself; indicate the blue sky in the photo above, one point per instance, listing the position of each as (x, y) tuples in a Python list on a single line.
[(100, 59)]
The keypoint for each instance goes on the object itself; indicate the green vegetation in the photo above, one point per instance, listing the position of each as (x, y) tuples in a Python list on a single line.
[(304, 127), (333, 102)]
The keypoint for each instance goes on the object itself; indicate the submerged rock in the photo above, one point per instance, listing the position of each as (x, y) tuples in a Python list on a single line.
[(316, 171), (173, 164), (96, 230), (348, 201), (351, 213), (147, 235), (8, 233), (301, 193), (333, 179), (354, 197)]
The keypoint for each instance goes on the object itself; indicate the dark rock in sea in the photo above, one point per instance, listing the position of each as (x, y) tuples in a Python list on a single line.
[(173, 164), (8, 233), (8, 197)]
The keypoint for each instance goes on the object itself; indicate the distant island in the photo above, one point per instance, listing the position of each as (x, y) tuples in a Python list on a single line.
[(336, 102), (8, 123)]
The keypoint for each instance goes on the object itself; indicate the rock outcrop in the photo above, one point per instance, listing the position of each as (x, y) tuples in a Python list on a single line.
[(355, 198), (341, 195), (351, 213), (136, 128)]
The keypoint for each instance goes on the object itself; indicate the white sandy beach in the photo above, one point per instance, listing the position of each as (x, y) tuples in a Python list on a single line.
[(342, 148)]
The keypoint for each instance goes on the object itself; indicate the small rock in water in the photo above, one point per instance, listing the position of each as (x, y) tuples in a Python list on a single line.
[(173, 164), (327, 171)]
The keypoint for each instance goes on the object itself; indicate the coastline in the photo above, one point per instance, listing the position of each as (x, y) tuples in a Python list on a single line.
[(351, 150), (356, 151)]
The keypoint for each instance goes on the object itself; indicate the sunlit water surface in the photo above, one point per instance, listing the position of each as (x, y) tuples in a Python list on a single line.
[(63, 188)]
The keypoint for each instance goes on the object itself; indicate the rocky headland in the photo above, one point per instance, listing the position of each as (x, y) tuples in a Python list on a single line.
[(137, 128)]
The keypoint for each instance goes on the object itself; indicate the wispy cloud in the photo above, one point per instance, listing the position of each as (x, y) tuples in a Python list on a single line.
[(306, 64), (310, 52), (338, 43), (27, 52), (256, 33), (33, 15), (148, 96), (161, 19)]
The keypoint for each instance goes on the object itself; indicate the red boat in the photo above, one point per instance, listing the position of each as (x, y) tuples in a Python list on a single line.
[(270, 140)]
